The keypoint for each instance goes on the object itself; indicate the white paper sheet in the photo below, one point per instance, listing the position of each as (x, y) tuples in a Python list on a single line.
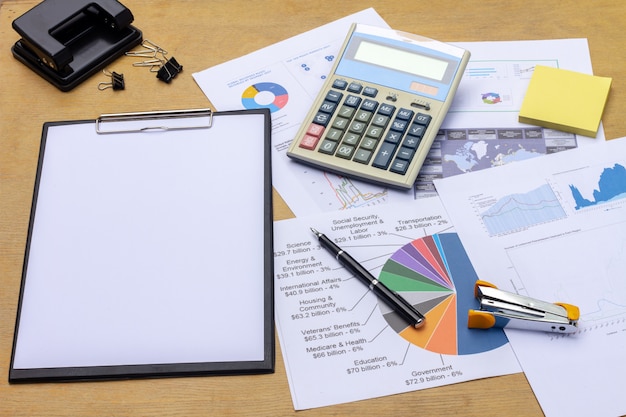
[(554, 228), (341, 344), (132, 260)]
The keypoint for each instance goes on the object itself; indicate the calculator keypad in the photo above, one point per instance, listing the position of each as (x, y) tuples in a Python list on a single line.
[(352, 123)]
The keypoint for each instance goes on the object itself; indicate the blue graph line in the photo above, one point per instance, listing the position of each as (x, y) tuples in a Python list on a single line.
[(520, 211)]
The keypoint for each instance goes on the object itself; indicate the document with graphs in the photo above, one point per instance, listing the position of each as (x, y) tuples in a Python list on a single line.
[(340, 343), (554, 228)]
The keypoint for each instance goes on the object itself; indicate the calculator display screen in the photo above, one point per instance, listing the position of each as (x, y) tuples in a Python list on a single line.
[(401, 60), (414, 67)]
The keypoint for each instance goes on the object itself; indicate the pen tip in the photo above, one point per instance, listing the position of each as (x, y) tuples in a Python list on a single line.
[(315, 232)]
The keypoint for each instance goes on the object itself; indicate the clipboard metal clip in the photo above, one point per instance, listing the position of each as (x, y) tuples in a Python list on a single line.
[(142, 121), (500, 308)]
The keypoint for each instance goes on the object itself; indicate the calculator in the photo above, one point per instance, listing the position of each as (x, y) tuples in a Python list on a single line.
[(381, 107)]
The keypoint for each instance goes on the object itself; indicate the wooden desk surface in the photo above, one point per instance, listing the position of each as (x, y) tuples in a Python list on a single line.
[(201, 34)]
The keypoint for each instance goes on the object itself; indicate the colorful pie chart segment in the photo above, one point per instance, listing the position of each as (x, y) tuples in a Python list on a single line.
[(435, 275), (265, 95)]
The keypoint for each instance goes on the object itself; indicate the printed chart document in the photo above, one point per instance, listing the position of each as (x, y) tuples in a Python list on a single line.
[(554, 228), (341, 344), (480, 131)]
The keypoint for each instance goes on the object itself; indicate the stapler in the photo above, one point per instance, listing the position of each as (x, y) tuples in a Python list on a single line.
[(500, 308), (66, 42)]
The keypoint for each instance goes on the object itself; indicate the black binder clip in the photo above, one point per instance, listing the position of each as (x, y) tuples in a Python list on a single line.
[(117, 81), (66, 42), (169, 70), (166, 69)]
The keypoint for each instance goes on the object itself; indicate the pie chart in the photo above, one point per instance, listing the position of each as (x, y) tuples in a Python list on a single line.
[(265, 95), (435, 275)]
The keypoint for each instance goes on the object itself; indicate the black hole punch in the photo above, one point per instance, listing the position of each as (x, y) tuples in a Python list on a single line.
[(117, 81), (66, 42)]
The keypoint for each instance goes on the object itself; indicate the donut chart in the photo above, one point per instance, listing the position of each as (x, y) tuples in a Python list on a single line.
[(491, 98), (265, 95), (435, 275)]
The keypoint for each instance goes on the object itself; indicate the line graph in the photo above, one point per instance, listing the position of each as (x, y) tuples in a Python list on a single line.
[(327, 191), (350, 194), (519, 211)]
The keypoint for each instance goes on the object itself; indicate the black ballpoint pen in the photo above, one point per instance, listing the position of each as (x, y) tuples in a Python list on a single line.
[(394, 300)]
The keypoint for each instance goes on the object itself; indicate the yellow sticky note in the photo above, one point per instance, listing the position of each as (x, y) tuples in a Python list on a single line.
[(565, 100)]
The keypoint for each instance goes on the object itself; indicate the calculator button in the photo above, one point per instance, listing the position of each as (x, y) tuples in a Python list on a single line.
[(369, 143), (405, 153), (355, 88), (345, 151), (309, 142), (416, 130), (340, 123), (351, 139), (346, 112), (334, 96), (352, 101), (380, 120), (405, 114), (370, 92), (411, 142), (334, 134), (315, 130), (393, 137), (328, 146), (386, 109), (340, 84), (363, 116), (399, 125), (369, 105), (362, 156), (384, 155), (358, 127), (423, 119), (328, 107), (399, 166), (321, 118), (374, 132)]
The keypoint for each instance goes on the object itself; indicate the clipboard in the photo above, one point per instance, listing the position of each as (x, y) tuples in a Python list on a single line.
[(149, 249)]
